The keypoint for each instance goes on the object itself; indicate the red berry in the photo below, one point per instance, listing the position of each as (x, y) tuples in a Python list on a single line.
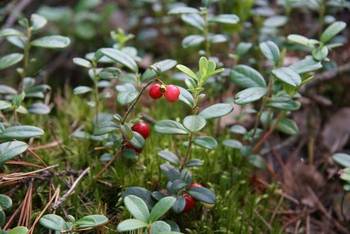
[(155, 91), (142, 128), (190, 203), (196, 185), (172, 93)]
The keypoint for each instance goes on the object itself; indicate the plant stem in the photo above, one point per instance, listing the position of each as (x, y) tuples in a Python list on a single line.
[(96, 96), (26, 52), (206, 31), (132, 106), (263, 104)]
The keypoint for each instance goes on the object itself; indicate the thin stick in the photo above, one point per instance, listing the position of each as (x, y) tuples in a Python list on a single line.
[(43, 211), (71, 190), (98, 175)]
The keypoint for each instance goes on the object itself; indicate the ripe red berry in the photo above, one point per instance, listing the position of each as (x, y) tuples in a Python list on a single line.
[(172, 93), (155, 91), (142, 128), (190, 203), (196, 185)]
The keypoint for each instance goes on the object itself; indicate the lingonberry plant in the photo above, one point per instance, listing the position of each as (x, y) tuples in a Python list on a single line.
[(202, 20), (281, 92), (21, 99), (144, 219), (177, 169)]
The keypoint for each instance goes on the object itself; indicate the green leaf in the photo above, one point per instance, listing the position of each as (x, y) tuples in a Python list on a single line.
[(238, 129), (217, 38), (127, 93), (131, 224), (192, 40), (247, 77), (120, 57), (137, 207), (186, 97), (288, 126), (164, 65), (202, 194), (194, 123), (5, 202), (225, 19), (9, 60), (257, 161), (39, 108), (270, 51), (82, 62), (91, 221), (51, 42), (287, 75), (342, 159), (187, 71), (206, 142), (170, 127), (137, 140), (18, 230), (169, 156), (301, 40), (283, 103), (162, 206), (242, 48), (306, 65), (5, 105), (7, 32), (332, 31), (275, 21), (21, 132), (160, 226), (183, 10), (320, 53), (37, 22), (216, 110), (234, 144), (53, 222), (2, 217), (249, 95), (8, 150), (194, 20), (81, 90)]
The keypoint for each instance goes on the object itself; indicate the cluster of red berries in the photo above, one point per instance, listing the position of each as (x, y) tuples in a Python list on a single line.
[(190, 202), (143, 129), (170, 92)]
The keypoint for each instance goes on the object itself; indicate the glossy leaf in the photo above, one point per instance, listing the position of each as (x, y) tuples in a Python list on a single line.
[(287, 75), (206, 142), (37, 21), (21, 132), (53, 222), (249, 95), (8, 150), (247, 77), (202, 194), (120, 57), (131, 224), (51, 42), (194, 20), (9, 60), (91, 221), (332, 30), (137, 207), (270, 51), (161, 207), (170, 127), (216, 110), (194, 123), (192, 40), (225, 19), (288, 126), (342, 159)]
